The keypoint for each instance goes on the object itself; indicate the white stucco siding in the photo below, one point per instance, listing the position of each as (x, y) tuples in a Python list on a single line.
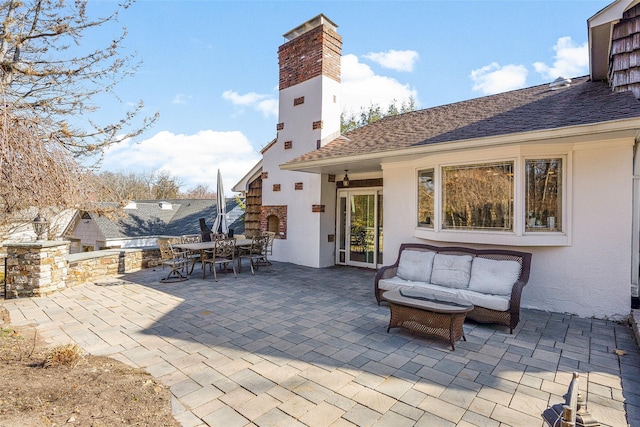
[(307, 240), (327, 253), (399, 204), (303, 226), (331, 110), (321, 103), (590, 275), (307, 231)]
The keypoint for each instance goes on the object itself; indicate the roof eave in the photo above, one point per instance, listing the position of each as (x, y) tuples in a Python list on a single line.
[(611, 12), (600, 27), (249, 177), (616, 128)]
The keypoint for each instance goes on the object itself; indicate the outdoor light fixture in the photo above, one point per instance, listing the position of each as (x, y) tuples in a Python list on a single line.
[(40, 226), (345, 180)]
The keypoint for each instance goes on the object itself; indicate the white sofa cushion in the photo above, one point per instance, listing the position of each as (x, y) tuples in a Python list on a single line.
[(415, 265), (492, 302), (495, 277), (396, 283), (452, 271)]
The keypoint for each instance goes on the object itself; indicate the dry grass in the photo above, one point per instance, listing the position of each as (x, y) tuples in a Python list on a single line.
[(63, 355), (45, 386)]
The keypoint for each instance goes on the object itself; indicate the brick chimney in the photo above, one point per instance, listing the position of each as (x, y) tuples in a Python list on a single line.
[(309, 98), (308, 118), (313, 49)]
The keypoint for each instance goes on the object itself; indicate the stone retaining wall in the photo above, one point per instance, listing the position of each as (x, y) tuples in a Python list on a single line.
[(43, 267), (93, 266)]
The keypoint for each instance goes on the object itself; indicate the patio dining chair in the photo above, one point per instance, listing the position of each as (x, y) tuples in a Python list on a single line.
[(272, 237), (256, 253), (222, 255), (172, 258), (192, 256), (208, 253)]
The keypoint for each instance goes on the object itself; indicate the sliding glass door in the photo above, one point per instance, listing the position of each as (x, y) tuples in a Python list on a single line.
[(359, 228)]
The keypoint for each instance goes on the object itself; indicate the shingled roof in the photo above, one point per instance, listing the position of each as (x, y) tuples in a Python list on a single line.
[(149, 219), (535, 108)]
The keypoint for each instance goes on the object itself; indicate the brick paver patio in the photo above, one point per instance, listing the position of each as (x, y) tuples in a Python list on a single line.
[(298, 346)]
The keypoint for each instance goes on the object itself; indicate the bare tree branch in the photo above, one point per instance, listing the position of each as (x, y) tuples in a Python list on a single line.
[(48, 84), (44, 74)]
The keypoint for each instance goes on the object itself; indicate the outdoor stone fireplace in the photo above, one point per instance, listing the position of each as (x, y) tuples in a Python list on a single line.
[(274, 218)]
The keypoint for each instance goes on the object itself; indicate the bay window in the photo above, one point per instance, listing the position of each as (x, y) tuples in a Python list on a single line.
[(516, 201)]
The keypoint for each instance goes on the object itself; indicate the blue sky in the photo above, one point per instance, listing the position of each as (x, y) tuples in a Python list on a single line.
[(210, 68)]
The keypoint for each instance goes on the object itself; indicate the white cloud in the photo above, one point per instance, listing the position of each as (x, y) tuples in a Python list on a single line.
[(361, 87), (571, 60), (193, 159), (266, 104), (399, 60), (268, 107), (181, 99), (494, 78)]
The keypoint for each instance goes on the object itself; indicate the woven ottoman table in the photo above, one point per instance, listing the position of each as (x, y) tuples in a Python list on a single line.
[(428, 314)]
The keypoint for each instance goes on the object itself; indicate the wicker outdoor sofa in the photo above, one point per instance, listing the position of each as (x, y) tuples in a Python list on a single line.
[(491, 279)]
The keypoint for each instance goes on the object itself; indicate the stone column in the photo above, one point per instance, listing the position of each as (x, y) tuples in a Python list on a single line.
[(36, 268)]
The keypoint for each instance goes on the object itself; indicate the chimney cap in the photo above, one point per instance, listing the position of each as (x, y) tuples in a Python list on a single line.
[(309, 25)]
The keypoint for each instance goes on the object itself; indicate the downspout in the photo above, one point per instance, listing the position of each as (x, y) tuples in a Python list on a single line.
[(635, 227)]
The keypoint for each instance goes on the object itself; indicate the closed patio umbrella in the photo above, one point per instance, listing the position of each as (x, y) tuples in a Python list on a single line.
[(220, 224)]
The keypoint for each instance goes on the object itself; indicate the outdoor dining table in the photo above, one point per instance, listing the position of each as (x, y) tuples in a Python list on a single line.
[(203, 246)]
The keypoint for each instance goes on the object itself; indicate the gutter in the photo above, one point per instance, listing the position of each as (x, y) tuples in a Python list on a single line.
[(635, 227)]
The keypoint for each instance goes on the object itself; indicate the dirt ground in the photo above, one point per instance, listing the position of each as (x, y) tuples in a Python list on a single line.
[(60, 386)]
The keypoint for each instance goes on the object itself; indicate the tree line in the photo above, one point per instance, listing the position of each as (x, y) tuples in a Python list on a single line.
[(350, 120), (149, 186)]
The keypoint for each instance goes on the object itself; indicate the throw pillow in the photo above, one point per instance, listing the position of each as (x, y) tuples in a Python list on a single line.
[(495, 277), (415, 265), (452, 271)]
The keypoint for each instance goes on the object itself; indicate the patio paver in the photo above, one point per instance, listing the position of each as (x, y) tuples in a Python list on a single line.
[(299, 346)]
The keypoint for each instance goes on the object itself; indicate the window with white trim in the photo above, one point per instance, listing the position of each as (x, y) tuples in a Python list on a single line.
[(426, 199), (543, 198), (514, 201), (478, 197)]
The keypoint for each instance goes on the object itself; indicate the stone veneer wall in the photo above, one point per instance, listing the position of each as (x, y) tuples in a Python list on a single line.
[(40, 268), (35, 269), (93, 266)]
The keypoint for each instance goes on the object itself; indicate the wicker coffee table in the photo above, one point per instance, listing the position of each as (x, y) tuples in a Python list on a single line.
[(427, 313)]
